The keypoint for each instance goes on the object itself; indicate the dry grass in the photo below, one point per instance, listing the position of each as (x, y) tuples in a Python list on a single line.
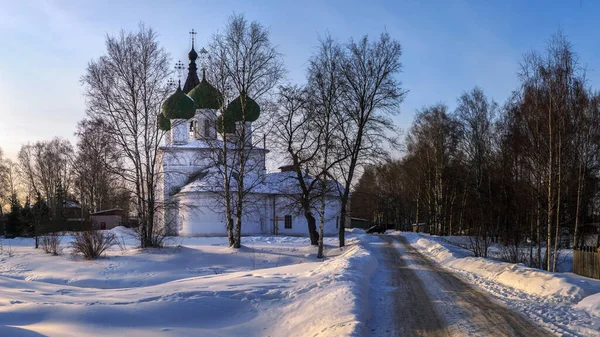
[(92, 244)]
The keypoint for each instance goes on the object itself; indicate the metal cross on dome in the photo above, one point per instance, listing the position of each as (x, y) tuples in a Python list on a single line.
[(179, 67), (204, 58), (192, 33)]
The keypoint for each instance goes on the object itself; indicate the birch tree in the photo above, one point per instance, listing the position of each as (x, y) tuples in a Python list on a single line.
[(372, 92), (252, 68), (124, 89)]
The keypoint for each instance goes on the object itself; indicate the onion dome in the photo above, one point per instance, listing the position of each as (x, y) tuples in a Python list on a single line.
[(205, 95), (229, 124), (163, 122), (192, 55), (179, 105), (234, 110)]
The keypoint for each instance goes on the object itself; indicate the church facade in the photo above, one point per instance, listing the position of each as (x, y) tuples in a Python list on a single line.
[(191, 185)]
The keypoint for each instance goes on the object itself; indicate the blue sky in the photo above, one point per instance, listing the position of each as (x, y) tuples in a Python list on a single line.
[(449, 46)]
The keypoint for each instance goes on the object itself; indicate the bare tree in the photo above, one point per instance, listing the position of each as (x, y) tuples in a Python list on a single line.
[(371, 92), (325, 89), (96, 182), (125, 89), (588, 121), (433, 142), (294, 132), (46, 168), (5, 190), (475, 116), (252, 68)]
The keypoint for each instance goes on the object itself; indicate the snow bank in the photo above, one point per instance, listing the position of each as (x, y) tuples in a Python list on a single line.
[(564, 287), (337, 303), (591, 304), (565, 303), (564, 262), (355, 231)]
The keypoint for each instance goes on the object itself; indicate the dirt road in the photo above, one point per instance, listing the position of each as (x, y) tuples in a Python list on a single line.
[(412, 296)]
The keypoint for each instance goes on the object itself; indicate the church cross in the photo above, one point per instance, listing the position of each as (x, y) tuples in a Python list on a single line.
[(179, 67), (192, 33)]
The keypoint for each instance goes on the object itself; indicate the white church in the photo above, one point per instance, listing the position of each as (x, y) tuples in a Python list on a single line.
[(192, 181)]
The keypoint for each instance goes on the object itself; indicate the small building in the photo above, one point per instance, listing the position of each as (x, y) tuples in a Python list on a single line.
[(419, 227), (107, 219), (360, 223), (71, 210)]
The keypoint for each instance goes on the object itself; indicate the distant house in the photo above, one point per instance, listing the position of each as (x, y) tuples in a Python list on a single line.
[(107, 219), (71, 210), (419, 227)]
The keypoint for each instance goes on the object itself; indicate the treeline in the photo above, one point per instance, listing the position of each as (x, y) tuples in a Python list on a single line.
[(50, 176), (524, 172)]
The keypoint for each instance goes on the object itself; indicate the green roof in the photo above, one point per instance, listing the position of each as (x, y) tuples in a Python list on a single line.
[(234, 109), (229, 124), (206, 96), (163, 122), (179, 105)]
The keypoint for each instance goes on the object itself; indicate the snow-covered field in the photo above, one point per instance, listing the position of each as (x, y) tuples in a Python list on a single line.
[(565, 303), (272, 286)]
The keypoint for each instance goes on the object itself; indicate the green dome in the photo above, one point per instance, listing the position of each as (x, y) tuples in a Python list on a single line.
[(229, 124), (164, 123), (234, 110), (206, 96), (179, 105)]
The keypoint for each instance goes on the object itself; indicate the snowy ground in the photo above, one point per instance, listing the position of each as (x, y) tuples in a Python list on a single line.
[(413, 296), (564, 262), (272, 286), (565, 303)]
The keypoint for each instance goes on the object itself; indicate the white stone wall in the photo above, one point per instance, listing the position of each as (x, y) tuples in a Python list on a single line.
[(203, 116), (204, 214), (179, 131)]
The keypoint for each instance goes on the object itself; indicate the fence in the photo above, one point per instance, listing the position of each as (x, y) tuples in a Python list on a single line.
[(586, 262)]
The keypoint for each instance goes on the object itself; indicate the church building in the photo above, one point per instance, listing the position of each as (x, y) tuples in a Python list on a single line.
[(191, 183)]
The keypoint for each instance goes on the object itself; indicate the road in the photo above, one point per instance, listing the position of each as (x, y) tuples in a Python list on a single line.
[(412, 296)]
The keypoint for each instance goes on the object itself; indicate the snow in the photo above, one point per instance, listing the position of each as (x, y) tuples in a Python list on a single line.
[(564, 261), (591, 304), (270, 183), (565, 303), (272, 286)]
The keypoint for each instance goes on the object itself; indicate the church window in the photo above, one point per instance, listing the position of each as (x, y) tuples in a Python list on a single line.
[(192, 132), (288, 221), (206, 128)]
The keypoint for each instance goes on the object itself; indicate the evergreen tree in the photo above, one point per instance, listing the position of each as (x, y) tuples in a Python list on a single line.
[(41, 218), (13, 220), (26, 220)]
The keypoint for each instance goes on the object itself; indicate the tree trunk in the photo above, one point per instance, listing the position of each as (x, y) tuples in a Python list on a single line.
[(550, 190), (580, 177), (557, 233), (312, 227), (342, 231)]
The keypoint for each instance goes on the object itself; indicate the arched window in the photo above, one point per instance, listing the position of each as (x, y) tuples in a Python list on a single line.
[(206, 128), (192, 132)]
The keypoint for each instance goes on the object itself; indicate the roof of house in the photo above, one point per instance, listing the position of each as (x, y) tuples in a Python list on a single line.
[(106, 211)]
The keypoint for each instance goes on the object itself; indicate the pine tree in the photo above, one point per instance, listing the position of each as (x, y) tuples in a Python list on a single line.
[(13, 220), (26, 220)]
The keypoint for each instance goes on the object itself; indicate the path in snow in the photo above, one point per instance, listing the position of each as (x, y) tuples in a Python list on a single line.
[(411, 296)]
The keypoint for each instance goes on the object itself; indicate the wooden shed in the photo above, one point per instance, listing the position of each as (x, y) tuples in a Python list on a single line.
[(419, 227), (107, 219)]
